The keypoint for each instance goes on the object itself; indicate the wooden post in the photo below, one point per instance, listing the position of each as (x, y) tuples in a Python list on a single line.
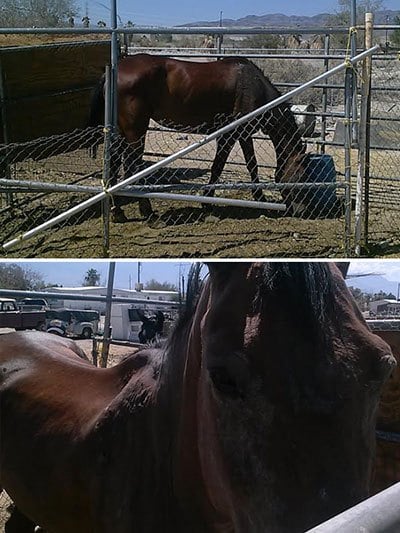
[(347, 157), (364, 141)]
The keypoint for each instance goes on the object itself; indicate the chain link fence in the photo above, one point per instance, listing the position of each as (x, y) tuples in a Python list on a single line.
[(303, 220), (43, 179), (383, 184)]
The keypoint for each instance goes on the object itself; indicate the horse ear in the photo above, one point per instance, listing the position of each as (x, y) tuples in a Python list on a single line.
[(343, 266)]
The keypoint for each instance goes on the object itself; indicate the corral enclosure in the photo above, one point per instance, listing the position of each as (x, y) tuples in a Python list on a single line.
[(42, 179)]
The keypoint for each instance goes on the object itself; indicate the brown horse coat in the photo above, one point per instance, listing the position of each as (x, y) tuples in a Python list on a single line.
[(258, 415)]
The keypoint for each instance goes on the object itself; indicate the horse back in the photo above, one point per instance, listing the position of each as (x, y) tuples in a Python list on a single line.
[(187, 93)]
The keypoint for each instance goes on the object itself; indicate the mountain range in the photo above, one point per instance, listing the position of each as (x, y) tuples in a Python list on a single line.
[(281, 20)]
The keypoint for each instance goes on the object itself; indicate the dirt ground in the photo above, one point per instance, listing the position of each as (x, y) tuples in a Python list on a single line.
[(117, 352), (187, 230), (178, 229)]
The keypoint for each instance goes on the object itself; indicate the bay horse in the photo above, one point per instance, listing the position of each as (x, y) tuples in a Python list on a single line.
[(258, 414), (202, 97)]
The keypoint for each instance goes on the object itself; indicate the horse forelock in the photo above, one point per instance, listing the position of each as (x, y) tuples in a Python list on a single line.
[(306, 289)]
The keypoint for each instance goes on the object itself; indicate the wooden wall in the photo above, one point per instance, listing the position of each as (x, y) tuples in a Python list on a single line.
[(45, 90)]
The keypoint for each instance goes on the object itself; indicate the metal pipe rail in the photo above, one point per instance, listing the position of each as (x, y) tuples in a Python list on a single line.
[(198, 30), (378, 514)]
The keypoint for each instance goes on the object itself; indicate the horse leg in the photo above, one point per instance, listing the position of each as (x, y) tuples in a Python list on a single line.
[(133, 162), (117, 214), (134, 119), (247, 145), (224, 147)]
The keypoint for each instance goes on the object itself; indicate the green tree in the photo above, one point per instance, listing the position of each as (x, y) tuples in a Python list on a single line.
[(395, 35), (364, 298), (92, 278), (154, 285), (38, 13), (343, 17), (15, 277)]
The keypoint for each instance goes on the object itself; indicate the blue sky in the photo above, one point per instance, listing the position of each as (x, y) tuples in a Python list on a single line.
[(173, 12), (71, 273), (386, 273)]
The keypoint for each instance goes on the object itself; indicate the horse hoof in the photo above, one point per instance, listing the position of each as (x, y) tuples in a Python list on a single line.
[(145, 209), (118, 216), (207, 208), (260, 198)]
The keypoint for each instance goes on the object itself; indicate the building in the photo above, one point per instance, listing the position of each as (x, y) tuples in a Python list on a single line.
[(161, 296), (385, 307)]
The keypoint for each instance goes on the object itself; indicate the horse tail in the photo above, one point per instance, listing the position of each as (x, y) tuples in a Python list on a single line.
[(96, 113)]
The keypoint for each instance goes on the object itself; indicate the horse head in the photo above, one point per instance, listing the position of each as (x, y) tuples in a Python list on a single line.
[(291, 374)]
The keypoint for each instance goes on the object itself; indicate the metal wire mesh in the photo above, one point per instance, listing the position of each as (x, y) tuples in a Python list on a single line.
[(383, 196), (311, 225), (43, 179)]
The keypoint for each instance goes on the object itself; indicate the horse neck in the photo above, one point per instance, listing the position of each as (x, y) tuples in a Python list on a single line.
[(283, 132)]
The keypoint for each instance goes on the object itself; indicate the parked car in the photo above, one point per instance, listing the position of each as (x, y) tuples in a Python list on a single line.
[(12, 317), (33, 304), (72, 322)]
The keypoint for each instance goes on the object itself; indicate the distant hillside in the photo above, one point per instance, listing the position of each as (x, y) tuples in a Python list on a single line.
[(281, 20)]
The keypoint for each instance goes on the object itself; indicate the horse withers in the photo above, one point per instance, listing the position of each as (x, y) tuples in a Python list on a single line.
[(257, 415), (202, 97)]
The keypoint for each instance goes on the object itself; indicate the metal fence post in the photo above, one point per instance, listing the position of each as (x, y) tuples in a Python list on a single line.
[(364, 141), (107, 320)]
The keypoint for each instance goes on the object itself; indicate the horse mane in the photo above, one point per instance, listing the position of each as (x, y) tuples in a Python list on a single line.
[(279, 122)]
